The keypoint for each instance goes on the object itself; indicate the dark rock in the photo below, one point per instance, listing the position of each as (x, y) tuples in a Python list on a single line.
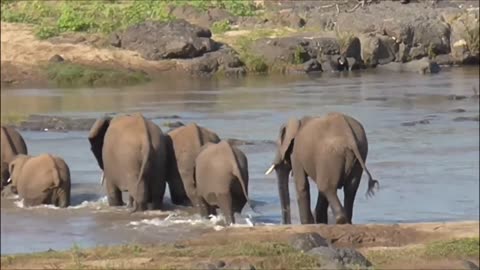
[(220, 264), (312, 65), (56, 59), (350, 256), (377, 98), (335, 63), (55, 123), (462, 31), (237, 142), (414, 123), (287, 18), (445, 60), (459, 110), (422, 66), (354, 49), (469, 265), (340, 258), (307, 241), (377, 50), (456, 97), (173, 124), (467, 118), (224, 60), (166, 40)]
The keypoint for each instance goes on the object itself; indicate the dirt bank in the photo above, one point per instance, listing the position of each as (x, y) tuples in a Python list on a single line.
[(404, 246)]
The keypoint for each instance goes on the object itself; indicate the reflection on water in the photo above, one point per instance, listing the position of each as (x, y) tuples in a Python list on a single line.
[(427, 172)]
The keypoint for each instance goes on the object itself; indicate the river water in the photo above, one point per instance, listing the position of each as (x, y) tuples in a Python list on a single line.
[(427, 172)]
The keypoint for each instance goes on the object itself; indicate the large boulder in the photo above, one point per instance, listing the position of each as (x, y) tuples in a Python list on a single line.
[(307, 241), (377, 49), (166, 40), (203, 18), (339, 258), (464, 39), (422, 66)]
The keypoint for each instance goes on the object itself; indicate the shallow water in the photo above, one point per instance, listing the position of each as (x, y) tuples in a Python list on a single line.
[(427, 172)]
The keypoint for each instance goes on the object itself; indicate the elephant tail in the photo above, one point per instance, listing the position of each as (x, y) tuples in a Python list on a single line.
[(237, 173), (354, 147), (145, 150)]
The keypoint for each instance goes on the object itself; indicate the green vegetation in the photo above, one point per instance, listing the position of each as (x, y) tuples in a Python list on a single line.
[(52, 18), (75, 75), (264, 255), (221, 26), (344, 39), (472, 38), (446, 249)]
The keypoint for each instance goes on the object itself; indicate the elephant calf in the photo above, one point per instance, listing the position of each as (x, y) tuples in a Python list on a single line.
[(12, 144), (42, 179), (221, 179)]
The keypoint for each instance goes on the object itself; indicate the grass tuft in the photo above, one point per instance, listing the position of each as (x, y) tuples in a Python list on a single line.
[(75, 75)]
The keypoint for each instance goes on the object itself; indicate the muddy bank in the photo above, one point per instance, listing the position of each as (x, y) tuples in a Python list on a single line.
[(429, 245), (273, 37)]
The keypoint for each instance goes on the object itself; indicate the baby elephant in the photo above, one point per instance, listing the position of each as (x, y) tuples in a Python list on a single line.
[(42, 179), (221, 180)]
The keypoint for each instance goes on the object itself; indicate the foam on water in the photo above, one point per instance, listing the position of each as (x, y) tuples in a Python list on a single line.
[(215, 222), (85, 204)]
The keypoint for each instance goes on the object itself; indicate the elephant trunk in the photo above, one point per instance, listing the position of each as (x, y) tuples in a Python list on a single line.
[(283, 190)]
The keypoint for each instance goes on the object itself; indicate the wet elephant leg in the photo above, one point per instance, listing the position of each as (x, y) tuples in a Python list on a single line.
[(350, 190), (203, 208), (114, 194), (157, 190), (329, 174), (225, 204), (303, 193), (321, 210), (189, 184), (137, 190)]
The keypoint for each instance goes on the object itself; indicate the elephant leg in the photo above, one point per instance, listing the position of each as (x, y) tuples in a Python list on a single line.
[(114, 194), (303, 193), (350, 190), (157, 192), (139, 194), (321, 210), (337, 207), (130, 201), (204, 208), (225, 204), (189, 184), (63, 198)]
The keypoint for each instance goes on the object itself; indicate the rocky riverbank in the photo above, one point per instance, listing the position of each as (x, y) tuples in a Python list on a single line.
[(226, 40), (406, 246)]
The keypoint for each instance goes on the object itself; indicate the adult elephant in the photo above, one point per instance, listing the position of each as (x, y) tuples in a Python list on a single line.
[(12, 144), (332, 151), (131, 151), (42, 179), (185, 144)]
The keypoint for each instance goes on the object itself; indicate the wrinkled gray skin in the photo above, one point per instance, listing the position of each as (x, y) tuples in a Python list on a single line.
[(131, 151), (11, 144), (185, 143), (221, 179), (332, 151), (42, 179)]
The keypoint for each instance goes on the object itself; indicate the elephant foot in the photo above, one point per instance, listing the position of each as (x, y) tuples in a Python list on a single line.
[(341, 220)]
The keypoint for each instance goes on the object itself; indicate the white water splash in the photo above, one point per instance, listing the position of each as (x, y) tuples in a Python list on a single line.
[(215, 222), (90, 204)]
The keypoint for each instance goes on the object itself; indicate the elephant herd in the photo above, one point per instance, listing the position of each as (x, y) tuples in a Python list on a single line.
[(200, 169)]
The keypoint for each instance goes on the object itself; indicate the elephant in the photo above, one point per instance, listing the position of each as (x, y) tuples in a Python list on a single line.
[(330, 149), (185, 143), (12, 144), (221, 180), (42, 179), (132, 153)]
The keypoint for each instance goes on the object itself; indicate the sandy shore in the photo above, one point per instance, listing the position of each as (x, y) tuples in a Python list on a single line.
[(400, 246)]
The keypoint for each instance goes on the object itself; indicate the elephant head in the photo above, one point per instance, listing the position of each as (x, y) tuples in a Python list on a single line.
[(282, 163), (96, 136), (14, 168)]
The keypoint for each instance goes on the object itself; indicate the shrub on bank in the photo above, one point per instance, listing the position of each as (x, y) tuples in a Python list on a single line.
[(52, 18)]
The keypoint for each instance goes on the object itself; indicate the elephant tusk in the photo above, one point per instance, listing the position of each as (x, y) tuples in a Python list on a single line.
[(102, 179), (9, 180), (270, 169)]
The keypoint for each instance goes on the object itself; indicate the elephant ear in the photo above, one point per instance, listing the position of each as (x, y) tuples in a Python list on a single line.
[(287, 136), (96, 136)]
